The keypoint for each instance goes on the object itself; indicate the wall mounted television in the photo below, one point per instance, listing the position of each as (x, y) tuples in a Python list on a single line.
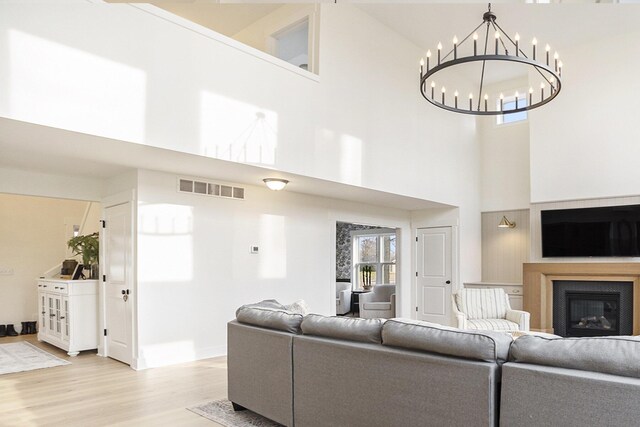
[(612, 231)]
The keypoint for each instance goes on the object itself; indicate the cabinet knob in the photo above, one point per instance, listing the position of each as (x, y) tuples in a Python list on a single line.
[(448, 282)]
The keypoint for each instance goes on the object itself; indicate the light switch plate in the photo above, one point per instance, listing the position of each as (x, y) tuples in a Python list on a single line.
[(6, 271), (254, 249)]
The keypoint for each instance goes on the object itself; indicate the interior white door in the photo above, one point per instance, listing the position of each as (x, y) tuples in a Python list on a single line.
[(118, 286), (434, 275)]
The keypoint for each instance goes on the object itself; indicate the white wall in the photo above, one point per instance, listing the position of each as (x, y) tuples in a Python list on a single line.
[(363, 123), (584, 144), (195, 268), (33, 232), (504, 157)]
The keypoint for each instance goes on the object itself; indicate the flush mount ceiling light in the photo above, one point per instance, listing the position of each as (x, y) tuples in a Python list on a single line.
[(275, 184), (505, 223), (507, 50)]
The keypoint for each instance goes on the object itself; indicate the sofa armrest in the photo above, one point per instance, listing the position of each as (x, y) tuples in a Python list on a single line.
[(520, 317), (366, 297), (345, 297), (460, 316)]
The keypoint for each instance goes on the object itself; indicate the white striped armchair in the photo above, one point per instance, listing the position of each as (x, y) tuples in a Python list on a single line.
[(488, 309)]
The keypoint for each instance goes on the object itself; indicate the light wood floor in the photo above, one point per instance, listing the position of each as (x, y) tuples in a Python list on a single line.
[(98, 391)]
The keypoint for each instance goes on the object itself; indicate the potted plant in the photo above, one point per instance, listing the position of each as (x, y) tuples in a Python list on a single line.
[(88, 247)]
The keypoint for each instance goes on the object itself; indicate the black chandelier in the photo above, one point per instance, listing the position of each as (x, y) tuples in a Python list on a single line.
[(551, 73)]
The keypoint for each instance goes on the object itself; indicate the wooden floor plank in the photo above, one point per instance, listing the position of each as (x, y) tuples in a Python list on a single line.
[(98, 391)]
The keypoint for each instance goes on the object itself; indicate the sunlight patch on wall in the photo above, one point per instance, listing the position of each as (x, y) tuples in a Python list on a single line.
[(64, 87), (273, 247), (237, 131), (165, 243), (350, 160)]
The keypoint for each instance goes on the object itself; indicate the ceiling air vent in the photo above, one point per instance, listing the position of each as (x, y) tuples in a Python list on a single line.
[(206, 188)]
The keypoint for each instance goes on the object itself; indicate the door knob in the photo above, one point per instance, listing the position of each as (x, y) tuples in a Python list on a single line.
[(448, 282), (123, 292)]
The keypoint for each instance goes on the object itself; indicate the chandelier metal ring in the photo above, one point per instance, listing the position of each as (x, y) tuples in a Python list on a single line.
[(553, 79)]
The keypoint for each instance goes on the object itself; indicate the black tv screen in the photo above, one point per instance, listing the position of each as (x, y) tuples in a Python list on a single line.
[(591, 232)]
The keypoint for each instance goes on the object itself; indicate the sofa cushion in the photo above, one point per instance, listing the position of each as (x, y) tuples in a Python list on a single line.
[(482, 303), (480, 345), (299, 307), (618, 355), (270, 318), (267, 303), (492, 324), (344, 328)]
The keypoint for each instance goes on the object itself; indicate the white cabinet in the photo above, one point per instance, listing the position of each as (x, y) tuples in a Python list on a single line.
[(68, 314), (514, 290)]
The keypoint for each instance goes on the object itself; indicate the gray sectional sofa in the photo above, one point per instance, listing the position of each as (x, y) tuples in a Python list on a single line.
[(334, 371)]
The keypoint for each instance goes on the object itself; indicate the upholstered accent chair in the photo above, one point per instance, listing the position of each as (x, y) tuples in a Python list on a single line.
[(488, 309), (379, 303), (343, 297)]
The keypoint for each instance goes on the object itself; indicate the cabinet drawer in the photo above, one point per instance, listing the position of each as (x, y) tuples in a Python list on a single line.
[(61, 288)]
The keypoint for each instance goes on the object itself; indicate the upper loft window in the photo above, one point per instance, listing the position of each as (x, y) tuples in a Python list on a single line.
[(292, 44), (509, 103)]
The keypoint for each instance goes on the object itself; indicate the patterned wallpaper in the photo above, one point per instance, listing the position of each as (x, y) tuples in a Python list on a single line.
[(343, 247)]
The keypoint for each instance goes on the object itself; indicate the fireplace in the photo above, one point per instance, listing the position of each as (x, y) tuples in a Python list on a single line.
[(586, 309)]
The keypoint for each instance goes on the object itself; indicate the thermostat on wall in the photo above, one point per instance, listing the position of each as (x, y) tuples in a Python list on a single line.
[(254, 249)]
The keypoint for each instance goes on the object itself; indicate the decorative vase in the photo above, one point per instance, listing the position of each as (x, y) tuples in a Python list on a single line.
[(95, 271)]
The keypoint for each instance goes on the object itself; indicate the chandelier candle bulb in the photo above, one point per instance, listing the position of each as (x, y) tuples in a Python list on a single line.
[(501, 101), (428, 56), (560, 68), (455, 47), (534, 42), (555, 59), (547, 48), (516, 100), (470, 101), (443, 91), (439, 49), (530, 95), (517, 37), (421, 65), (541, 91), (433, 88), (497, 38), (455, 99), (486, 101), (475, 44)]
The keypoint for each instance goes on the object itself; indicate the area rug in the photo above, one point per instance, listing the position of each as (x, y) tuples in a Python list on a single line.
[(22, 356), (222, 412)]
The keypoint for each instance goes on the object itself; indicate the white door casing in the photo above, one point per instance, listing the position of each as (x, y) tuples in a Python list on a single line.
[(118, 286), (434, 274)]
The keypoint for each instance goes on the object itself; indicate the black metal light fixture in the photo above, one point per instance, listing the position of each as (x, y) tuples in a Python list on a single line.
[(550, 71)]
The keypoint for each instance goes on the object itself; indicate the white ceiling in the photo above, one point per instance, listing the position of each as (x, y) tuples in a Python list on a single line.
[(56, 151)]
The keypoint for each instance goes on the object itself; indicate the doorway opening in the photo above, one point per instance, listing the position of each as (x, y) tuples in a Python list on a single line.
[(366, 270)]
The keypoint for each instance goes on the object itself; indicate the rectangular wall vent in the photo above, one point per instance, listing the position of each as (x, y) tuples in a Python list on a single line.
[(196, 186)]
